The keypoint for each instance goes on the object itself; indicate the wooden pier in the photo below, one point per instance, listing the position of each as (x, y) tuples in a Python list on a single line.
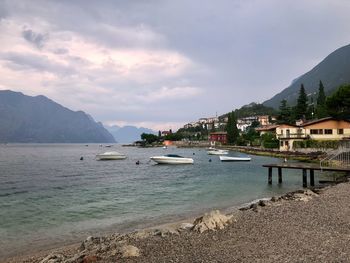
[(304, 167)]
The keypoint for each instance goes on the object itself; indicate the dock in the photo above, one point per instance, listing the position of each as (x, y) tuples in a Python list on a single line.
[(304, 167)]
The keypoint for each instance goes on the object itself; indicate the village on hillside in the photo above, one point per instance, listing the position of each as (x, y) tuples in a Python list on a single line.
[(313, 123)]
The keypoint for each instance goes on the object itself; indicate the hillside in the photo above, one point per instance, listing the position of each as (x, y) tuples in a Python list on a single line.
[(127, 134), (333, 71), (41, 120)]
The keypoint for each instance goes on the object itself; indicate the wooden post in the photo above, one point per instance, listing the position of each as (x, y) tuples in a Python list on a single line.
[(304, 177), (270, 175), (279, 175), (312, 177)]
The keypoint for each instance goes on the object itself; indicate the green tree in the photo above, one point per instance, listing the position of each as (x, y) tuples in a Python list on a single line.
[(149, 137), (285, 114), (269, 141), (231, 128), (301, 107), (321, 107), (338, 104)]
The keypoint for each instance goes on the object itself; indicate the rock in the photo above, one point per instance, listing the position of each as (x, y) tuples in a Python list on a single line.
[(90, 259), (128, 251), (140, 234), (78, 258), (274, 199), (211, 221), (53, 258), (263, 203), (90, 243), (166, 232), (186, 226)]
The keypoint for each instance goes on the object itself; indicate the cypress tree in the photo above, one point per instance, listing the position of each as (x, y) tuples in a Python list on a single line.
[(285, 113), (231, 128), (321, 108), (301, 108)]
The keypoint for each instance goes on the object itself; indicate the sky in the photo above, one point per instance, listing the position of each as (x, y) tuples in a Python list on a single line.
[(162, 63)]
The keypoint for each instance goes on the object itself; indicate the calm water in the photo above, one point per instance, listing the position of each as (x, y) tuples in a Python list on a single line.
[(48, 196)]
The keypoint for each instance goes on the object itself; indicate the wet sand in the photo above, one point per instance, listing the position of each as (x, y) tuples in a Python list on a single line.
[(298, 227)]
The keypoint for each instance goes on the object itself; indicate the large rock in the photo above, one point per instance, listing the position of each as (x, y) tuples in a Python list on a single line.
[(211, 221), (53, 258), (128, 251)]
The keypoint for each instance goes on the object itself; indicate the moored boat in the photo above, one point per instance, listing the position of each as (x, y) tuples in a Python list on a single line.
[(110, 156), (234, 159), (172, 159), (217, 152)]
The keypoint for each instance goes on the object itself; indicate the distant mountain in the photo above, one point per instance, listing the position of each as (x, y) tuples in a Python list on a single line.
[(39, 119), (333, 71), (127, 134)]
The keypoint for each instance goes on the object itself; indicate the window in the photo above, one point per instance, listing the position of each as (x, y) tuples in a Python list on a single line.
[(281, 143), (287, 143), (316, 131), (340, 131), (328, 131)]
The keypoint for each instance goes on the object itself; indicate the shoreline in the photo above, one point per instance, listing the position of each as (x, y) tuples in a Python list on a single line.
[(171, 230)]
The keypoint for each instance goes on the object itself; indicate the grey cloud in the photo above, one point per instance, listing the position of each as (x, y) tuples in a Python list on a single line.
[(37, 39), (21, 61)]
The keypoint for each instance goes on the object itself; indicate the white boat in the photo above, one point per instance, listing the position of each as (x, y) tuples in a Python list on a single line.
[(234, 159), (217, 152), (171, 159), (110, 156)]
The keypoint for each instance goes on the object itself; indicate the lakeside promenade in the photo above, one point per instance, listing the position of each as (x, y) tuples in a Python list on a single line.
[(305, 226)]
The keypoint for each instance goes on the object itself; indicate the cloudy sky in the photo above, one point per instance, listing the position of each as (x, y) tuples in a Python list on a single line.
[(163, 63)]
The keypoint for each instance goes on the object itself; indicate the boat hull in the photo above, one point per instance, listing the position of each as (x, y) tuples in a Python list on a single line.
[(109, 156), (171, 160), (234, 159), (217, 152)]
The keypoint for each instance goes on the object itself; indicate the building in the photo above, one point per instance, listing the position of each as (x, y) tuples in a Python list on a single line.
[(267, 129), (322, 129), (218, 137)]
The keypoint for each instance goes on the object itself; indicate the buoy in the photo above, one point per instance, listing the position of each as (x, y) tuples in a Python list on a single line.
[(194, 154), (285, 160), (209, 160), (137, 162), (81, 158)]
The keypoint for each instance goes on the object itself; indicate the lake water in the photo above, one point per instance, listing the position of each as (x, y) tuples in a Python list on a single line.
[(48, 196)]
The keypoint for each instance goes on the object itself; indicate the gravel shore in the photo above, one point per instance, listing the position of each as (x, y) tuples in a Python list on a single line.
[(306, 226)]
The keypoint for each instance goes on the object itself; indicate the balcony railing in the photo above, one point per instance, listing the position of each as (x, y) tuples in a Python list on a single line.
[(291, 136)]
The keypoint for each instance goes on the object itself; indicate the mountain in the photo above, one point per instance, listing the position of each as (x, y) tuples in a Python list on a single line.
[(127, 134), (333, 71), (41, 120)]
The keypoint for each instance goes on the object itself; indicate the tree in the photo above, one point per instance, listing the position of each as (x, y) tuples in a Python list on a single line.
[(149, 137), (301, 107), (159, 134), (338, 104), (231, 128), (321, 108), (285, 113)]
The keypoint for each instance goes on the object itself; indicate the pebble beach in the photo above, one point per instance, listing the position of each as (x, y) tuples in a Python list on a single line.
[(302, 226)]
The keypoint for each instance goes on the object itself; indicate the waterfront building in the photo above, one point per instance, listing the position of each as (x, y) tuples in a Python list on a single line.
[(320, 130), (220, 137)]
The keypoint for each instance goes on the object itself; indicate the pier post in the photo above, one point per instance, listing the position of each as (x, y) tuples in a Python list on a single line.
[(312, 177), (270, 175), (304, 178), (279, 175)]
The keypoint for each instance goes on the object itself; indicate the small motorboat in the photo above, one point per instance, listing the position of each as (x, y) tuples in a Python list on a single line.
[(217, 152), (234, 159), (110, 156), (108, 145), (172, 159)]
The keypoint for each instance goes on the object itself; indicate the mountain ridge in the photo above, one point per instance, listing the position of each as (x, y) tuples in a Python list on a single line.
[(333, 71), (39, 119)]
